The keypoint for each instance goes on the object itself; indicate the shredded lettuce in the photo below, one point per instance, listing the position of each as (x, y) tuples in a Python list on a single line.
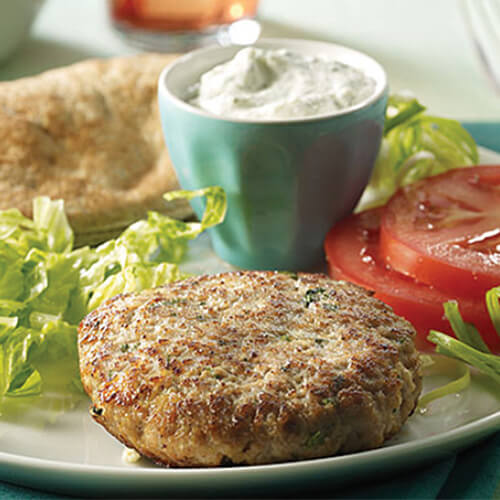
[(469, 347), (47, 287), (493, 305), (415, 146), (457, 385)]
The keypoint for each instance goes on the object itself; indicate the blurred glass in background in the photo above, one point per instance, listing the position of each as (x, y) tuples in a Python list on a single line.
[(482, 18), (180, 25)]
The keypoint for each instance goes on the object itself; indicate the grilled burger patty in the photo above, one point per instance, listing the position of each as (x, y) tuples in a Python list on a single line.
[(249, 368)]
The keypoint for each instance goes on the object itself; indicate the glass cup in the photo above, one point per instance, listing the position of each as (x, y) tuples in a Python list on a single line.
[(181, 25)]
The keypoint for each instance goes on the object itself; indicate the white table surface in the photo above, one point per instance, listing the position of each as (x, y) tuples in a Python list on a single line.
[(423, 44)]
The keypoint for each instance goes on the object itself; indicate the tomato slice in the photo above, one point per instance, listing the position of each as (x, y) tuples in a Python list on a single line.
[(352, 249), (445, 231)]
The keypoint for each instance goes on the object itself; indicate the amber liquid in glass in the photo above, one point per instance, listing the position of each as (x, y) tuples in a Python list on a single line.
[(179, 15)]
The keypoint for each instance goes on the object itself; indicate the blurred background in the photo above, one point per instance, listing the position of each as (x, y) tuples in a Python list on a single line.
[(425, 46)]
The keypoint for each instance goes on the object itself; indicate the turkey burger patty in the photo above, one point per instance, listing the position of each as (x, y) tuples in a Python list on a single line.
[(249, 368)]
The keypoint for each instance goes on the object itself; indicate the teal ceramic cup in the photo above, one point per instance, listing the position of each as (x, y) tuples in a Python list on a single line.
[(287, 180)]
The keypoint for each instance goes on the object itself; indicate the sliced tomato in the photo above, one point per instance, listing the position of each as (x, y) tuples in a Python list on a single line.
[(445, 231), (352, 249)]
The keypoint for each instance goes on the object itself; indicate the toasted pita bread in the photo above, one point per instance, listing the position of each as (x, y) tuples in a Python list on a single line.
[(90, 134)]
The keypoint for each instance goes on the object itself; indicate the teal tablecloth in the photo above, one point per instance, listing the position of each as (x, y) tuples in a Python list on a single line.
[(471, 474)]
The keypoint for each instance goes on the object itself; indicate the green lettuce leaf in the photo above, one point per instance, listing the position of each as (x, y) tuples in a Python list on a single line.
[(50, 278), (456, 385), (493, 305), (453, 348), (51, 222), (18, 375), (134, 277), (11, 275), (415, 146), (466, 332), (469, 347), (47, 287), (18, 231)]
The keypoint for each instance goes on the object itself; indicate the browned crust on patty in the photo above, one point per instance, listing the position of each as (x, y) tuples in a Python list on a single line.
[(89, 133), (249, 367)]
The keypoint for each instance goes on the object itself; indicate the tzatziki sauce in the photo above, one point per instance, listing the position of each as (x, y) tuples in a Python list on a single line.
[(279, 84)]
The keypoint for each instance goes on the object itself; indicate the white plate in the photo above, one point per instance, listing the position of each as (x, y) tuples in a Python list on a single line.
[(76, 456), (71, 454)]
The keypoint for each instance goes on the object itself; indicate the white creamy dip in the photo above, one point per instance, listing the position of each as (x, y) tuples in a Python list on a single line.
[(268, 84)]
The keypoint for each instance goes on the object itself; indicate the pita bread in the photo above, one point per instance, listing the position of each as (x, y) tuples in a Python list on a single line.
[(89, 133)]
